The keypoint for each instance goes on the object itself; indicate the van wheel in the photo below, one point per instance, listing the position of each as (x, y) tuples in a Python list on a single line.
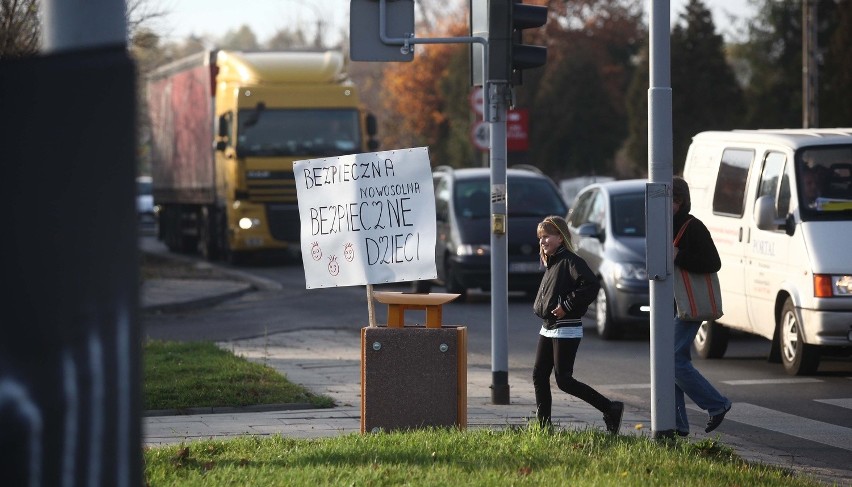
[(711, 341), (607, 329), (798, 357)]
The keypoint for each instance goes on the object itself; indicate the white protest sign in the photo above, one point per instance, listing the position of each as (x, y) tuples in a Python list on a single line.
[(367, 218)]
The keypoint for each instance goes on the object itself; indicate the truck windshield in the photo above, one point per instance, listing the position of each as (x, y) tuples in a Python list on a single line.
[(310, 132), (825, 182)]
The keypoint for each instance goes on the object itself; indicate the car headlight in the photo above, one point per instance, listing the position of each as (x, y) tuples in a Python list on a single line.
[(630, 272), (465, 250)]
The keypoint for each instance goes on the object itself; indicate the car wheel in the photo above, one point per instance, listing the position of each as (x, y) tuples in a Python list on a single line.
[(711, 341), (607, 329), (798, 357), (421, 287), (451, 282)]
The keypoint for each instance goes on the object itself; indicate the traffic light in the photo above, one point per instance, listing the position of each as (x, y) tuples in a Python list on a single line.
[(523, 56)]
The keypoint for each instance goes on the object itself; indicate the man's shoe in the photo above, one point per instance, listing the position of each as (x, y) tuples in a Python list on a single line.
[(682, 433), (612, 418), (716, 420)]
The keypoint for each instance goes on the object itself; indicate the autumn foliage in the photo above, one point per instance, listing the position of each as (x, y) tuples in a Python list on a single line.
[(413, 96)]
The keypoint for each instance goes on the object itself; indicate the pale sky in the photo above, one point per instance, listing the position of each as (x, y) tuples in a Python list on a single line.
[(265, 17)]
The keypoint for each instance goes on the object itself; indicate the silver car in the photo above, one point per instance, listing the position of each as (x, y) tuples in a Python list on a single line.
[(607, 225)]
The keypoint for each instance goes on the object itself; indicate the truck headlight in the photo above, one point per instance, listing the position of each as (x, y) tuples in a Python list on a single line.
[(247, 223)]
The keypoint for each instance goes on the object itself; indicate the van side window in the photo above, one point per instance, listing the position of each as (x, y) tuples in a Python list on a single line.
[(775, 183), (729, 196)]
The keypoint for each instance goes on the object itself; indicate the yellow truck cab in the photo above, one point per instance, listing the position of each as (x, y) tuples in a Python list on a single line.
[(226, 128)]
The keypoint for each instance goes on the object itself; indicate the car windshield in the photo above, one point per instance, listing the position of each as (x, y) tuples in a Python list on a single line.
[(628, 214), (527, 197)]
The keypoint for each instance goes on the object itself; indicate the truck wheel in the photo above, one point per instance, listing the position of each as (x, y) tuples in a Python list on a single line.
[(711, 341), (208, 245), (170, 228), (798, 357), (606, 326)]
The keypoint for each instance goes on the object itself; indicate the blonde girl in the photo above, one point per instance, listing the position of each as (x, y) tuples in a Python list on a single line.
[(567, 289)]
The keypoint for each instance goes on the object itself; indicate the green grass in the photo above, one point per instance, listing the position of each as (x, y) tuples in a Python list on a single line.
[(525, 456), (200, 374)]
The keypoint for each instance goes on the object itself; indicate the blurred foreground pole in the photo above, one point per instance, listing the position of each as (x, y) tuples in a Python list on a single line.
[(70, 342), (659, 231)]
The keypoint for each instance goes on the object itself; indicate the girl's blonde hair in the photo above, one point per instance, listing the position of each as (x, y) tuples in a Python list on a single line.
[(554, 225)]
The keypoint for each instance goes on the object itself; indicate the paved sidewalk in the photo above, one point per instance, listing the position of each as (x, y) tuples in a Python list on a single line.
[(328, 362)]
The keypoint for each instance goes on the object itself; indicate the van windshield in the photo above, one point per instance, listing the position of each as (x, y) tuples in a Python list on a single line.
[(824, 176), (277, 132)]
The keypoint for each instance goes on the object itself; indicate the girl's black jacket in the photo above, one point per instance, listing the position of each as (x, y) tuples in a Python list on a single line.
[(696, 250), (568, 282)]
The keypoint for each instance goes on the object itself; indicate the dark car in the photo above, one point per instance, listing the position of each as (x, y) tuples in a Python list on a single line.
[(607, 225), (463, 211)]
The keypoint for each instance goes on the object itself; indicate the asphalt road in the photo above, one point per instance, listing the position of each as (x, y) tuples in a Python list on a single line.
[(805, 419)]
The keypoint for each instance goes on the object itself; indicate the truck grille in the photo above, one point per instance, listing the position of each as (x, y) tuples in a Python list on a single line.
[(283, 221), (271, 186)]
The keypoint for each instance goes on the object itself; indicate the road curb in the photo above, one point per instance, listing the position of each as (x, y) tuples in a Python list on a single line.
[(258, 408)]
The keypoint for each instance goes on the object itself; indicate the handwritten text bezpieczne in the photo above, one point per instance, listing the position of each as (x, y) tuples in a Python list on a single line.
[(376, 210)]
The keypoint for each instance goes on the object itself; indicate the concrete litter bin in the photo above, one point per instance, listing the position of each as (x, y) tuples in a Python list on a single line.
[(413, 376)]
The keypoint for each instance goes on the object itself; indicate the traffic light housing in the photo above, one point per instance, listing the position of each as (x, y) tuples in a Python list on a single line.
[(508, 55), (524, 56)]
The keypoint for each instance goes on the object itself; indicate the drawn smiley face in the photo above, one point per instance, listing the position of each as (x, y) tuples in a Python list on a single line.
[(333, 266), (349, 252), (316, 251)]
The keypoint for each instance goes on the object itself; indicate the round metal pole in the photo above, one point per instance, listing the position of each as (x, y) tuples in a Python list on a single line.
[(497, 93), (659, 226)]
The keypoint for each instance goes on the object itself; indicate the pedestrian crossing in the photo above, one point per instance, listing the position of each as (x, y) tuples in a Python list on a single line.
[(791, 424), (777, 421)]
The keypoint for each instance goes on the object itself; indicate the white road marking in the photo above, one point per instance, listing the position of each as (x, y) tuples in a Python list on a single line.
[(760, 382), (789, 424), (626, 386), (844, 403)]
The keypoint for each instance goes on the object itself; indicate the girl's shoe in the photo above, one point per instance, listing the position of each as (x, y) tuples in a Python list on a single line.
[(612, 418)]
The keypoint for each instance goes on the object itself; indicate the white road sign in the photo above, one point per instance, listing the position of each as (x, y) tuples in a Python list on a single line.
[(480, 135), (367, 218)]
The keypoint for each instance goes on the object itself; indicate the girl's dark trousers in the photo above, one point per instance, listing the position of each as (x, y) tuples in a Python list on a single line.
[(558, 354)]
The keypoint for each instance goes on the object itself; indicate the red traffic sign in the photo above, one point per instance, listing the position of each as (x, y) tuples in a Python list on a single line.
[(517, 130)]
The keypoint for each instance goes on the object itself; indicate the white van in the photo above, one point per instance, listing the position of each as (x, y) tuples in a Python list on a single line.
[(779, 206)]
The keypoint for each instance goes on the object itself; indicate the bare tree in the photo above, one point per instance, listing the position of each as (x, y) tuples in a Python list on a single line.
[(19, 28), (140, 14)]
